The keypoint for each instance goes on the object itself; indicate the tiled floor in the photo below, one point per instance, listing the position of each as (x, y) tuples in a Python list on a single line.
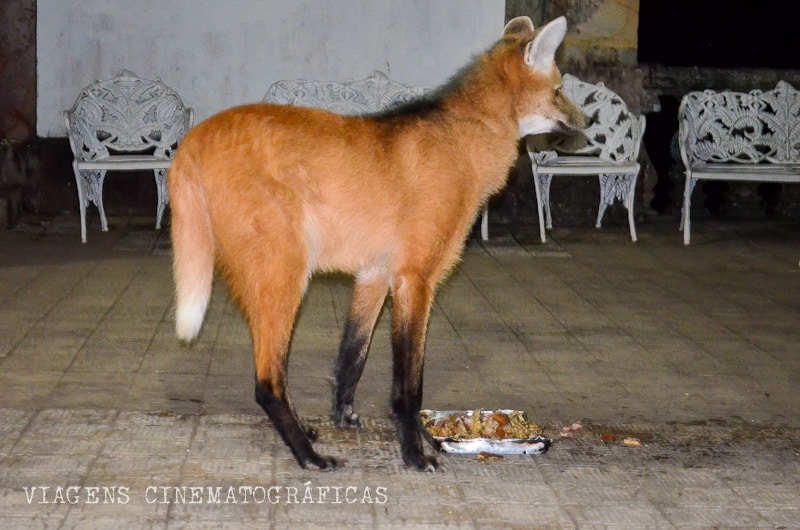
[(691, 350)]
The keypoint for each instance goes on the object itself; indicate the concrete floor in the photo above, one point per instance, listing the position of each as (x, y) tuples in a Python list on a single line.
[(107, 422)]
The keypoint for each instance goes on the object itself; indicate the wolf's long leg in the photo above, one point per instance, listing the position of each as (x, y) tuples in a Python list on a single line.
[(271, 326), (368, 298), (411, 299), (279, 409), (266, 269)]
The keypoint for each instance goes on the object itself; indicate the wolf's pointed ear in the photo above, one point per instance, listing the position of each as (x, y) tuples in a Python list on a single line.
[(540, 52), (518, 26)]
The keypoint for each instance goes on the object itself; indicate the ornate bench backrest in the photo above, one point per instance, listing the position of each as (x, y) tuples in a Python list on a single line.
[(126, 114), (752, 127), (792, 120), (375, 93), (612, 132)]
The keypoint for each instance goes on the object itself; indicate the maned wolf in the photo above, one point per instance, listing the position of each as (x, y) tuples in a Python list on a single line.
[(272, 194)]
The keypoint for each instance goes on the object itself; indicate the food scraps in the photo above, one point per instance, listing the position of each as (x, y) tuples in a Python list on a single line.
[(497, 425), (570, 431)]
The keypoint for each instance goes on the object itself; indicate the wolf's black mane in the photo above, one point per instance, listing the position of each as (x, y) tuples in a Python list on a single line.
[(430, 103), (419, 106)]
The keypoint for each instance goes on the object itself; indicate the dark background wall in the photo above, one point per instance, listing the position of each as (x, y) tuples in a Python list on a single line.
[(730, 34)]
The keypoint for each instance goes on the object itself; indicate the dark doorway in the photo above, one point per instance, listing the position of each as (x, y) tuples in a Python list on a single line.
[(730, 34)]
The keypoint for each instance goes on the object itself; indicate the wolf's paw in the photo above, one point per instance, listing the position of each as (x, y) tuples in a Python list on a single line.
[(420, 462), (322, 463), (311, 434), (346, 418)]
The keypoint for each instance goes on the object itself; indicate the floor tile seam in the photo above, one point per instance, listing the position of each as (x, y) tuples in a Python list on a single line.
[(743, 500), (558, 278), (755, 245), (600, 309), (700, 346), (455, 329), (182, 468), (83, 342), (560, 502), (476, 287), (149, 347), (42, 271), (29, 281), (666, 433), (683, 298), (463, 496), (656, 499), (228, 311), (92, 463), (24, 430), (525, 343), (138, 271), (603, 280), (116, 300), (16, 344), (340, 322), (678, 330), (208, 371), (272, 477)]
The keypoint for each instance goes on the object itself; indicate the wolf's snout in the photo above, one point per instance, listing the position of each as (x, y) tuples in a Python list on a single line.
[(572, 129)]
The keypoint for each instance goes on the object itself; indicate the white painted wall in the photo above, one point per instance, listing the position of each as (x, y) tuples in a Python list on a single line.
[(218, 54)]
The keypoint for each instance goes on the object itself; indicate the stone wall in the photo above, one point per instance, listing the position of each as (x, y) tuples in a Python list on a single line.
[(17, 69), (601, 32), (18, 153)]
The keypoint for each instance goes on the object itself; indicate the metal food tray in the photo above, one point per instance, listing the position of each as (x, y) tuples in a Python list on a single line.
[(473, 446)]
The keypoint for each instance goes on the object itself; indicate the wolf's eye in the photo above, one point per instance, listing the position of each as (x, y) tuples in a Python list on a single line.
[(558, 91)]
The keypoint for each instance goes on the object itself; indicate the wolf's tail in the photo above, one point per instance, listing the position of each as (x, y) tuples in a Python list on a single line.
[(192, 246)]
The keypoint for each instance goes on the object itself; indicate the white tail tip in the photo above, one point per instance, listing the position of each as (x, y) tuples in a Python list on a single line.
[(189, 317)]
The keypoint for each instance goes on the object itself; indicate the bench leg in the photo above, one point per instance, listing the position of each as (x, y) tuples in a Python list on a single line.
[(79, 183), (686, 211), (620, 186), (163, 194), (90, 189), (629, 204), (98, 199), (542, 184), (606, 181)]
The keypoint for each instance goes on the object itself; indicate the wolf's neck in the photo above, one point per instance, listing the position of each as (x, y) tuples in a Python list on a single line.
[(482, 117)]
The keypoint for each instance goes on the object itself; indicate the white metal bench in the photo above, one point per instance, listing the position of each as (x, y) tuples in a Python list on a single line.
[(123, 124), (373, 94), (610, 150), (726, 135)]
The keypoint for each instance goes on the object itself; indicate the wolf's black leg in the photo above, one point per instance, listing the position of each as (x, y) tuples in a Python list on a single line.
[(288, 425), (349, 366), (412, 301), (368, 298)]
